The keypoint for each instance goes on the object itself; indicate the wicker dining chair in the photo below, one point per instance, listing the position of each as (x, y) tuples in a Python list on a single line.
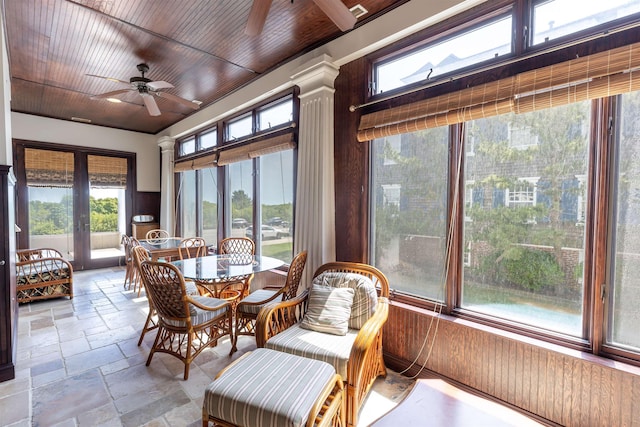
[(157, 235), (187, 324), (248, 308), (192, 247), (131, 277), (139, 255), (237, 245)]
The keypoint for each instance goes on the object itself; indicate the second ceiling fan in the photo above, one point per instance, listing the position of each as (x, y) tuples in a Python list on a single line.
[(334, 9)]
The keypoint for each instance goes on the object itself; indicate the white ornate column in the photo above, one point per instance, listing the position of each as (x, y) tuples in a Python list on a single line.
[(167, 193), (315, 192)]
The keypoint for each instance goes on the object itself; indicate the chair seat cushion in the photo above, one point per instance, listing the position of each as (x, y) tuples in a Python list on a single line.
[(268, 389), (257, 296), (198, 315), (333, 349)]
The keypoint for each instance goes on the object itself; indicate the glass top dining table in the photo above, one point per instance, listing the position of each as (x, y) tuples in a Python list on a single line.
[(225, 267)]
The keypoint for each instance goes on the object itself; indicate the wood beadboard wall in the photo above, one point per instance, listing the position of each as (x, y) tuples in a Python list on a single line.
[(564, 386)]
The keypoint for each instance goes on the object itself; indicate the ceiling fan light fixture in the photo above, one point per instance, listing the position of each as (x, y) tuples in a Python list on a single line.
[(114, 100)]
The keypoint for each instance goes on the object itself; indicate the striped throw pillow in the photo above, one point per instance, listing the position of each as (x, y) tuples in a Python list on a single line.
[(328, 310)]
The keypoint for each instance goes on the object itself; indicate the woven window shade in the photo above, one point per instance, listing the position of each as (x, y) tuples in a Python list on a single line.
[(107, 172), (595, 76), (203, 162), (255, 149), (46, 168)]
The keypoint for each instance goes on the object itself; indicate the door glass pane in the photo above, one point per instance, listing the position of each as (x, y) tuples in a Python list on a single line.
[(107, 209), (623, 313), (188, 224), (51, 219), (210, 206), (241, 187), (524, 217), (409, 200), (276, 195), (50, 190)]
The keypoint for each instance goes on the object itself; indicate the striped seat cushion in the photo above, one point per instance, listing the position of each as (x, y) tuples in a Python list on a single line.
[(333, 349), (257, 296), (267, 389), (198, 315)]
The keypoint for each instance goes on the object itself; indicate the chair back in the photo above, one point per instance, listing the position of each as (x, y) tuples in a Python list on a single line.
[(192, 247), (157, 235), (129, 243), (139, 255), (294, 276), (166, 287), (237, 245)]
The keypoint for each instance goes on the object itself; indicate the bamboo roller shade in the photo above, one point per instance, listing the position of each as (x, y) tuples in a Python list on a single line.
[(603, 74), (238, 153), (48, 167), (107, 171)]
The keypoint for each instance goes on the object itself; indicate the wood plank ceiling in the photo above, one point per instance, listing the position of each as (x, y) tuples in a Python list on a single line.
[(199, 46)]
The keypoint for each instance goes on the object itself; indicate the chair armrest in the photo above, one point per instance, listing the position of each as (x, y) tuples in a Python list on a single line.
[(276, 317), (363, 352)]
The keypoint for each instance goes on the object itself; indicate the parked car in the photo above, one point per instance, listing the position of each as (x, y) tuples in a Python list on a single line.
[(274, 221), (268, 232), (239, 223)]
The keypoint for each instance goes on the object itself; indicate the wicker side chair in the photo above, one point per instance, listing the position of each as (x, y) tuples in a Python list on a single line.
[(157, 235), (237, 245), (131, 277), (192, 247), (357, 356), (187, 324), (139, 255), (247, 310)]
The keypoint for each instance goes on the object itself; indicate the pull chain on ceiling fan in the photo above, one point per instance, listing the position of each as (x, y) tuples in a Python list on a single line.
[(334, 9), (147, 89)]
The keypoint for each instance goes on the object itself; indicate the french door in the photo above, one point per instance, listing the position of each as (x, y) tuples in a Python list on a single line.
[(74, 200)]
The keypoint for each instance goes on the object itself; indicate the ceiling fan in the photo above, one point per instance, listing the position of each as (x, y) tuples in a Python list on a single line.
[(334, 9), (147, 89)]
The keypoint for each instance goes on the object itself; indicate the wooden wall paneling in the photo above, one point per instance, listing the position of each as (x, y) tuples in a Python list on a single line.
[(351, 166), (566, 388)]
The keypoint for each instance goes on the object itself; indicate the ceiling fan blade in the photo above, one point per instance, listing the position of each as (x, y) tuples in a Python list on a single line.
[(159, 85), (257, 17), (110, 94), (338, 13), (150, 103), (113, 79), (179, 100)]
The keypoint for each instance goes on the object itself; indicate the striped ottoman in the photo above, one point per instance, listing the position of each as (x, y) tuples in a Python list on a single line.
[(267, 388)]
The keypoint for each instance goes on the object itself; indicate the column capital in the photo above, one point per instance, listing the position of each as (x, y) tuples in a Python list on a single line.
[(318, 73), (166, 143)]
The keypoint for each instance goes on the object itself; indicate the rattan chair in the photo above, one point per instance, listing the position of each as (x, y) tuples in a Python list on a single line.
[(356, 356), (246, 311), (187, 324), (237, 246), (131, 277), (157, 235), (192, 247), (139, 255)]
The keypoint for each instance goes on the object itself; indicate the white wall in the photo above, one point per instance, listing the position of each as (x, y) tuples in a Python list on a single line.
[(34, 128)]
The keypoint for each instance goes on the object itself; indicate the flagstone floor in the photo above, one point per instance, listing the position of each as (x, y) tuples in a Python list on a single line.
[(79, 365)]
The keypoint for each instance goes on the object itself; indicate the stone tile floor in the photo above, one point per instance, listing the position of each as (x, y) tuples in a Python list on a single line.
[(79, 365)]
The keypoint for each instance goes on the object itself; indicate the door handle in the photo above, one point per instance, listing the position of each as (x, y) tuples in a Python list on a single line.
[(1, 262)]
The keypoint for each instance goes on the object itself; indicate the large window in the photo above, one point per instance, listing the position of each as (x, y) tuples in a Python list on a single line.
[(513, 198), (410, 210), (527, 247), (623, 308), (233, 186)]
